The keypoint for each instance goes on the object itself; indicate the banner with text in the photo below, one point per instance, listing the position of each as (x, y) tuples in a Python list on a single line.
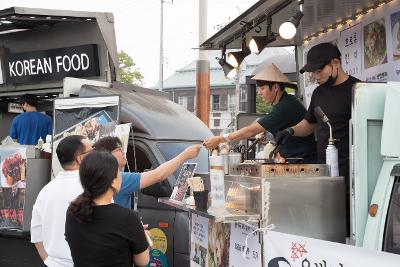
[(52, 64), (298, 251)]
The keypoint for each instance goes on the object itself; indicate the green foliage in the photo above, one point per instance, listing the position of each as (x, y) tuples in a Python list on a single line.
[(127, 71), (261, 106)]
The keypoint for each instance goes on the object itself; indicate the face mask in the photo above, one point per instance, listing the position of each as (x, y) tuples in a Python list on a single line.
[(331, 80)]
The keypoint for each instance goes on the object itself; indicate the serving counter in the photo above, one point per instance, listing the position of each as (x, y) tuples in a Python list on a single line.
[(298, 199)]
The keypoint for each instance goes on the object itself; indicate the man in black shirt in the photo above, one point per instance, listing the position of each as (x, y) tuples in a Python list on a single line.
[(333, 95)]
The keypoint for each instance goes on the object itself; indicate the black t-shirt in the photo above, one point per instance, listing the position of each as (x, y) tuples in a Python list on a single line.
[(335, 102), (110, 238), (286, 113)]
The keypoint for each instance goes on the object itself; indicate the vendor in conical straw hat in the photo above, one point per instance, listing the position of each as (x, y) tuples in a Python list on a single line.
[(286, 111)]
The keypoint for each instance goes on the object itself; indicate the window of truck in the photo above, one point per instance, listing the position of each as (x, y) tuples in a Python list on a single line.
[(392, 229)]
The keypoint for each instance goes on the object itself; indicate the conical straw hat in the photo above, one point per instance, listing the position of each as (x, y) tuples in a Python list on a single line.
[(271, 74)]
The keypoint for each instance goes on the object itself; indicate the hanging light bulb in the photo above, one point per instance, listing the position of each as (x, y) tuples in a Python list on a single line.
[(258, 43), (236, 58), (229, 70), (287, 30)]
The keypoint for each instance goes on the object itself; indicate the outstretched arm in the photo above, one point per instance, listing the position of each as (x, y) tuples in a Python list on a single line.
[(163, 171), (245, 132)]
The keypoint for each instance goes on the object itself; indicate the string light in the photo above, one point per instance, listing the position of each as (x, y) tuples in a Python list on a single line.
[(347, 20)]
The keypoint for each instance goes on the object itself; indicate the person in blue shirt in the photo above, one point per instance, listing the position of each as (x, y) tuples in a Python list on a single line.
[(28, 127), (133, 181)]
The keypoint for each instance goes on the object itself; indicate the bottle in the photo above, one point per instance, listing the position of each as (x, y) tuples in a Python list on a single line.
[(332, 158), (267, 149), (40, 143), (217, 181)]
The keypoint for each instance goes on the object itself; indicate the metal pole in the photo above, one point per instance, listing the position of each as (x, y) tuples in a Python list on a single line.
[(237, 91), (161, 74)]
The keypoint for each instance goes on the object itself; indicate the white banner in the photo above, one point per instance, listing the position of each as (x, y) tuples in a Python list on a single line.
[(298, 251), (237, 245)]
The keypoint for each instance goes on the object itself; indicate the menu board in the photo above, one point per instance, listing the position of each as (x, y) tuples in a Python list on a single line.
[(12, 190), (181, 185), (239, 254), (199, 241), (351, 47), (370, 46), (91, 117)]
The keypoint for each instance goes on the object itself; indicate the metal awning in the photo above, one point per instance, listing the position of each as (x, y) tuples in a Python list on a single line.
[(319, 15)]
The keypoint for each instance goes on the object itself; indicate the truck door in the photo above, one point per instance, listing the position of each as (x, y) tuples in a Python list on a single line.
[(391, 239)]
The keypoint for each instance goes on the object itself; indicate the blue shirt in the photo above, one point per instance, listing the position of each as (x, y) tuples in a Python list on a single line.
[(28, 127), (130, 183)]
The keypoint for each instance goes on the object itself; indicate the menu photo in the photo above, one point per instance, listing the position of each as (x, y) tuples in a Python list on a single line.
[(12, 190), (181, 185)]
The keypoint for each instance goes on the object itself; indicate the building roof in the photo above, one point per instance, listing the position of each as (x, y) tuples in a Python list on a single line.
[(186, 77)]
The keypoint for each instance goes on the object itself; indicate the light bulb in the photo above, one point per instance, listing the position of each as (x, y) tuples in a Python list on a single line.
[(287, 30), (231, 74), (253, 46), (231, 59)]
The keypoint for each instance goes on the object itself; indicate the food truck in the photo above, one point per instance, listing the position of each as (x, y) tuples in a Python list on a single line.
[(367, 34), (70, 57)]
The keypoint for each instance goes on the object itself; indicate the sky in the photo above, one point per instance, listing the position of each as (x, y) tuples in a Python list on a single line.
[(137, 27)]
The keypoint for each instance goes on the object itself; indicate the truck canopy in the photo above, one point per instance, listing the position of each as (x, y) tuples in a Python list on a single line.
[(319, 16)]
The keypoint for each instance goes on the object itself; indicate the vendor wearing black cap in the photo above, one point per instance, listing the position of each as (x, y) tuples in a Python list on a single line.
[(333, 95), (286, 111)]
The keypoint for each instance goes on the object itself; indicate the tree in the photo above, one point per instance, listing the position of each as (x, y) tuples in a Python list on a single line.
[(261, 106), (127, 71)]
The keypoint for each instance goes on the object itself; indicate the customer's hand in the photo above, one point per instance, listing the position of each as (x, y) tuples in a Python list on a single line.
[(283, 135), (192, 151), (213, 141)]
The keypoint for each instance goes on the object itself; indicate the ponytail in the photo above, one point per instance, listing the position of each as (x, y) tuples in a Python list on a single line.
[(97, 172), (82, 207)]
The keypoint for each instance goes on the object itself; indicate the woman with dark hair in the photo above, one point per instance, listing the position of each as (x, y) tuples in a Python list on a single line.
[(100, 233)]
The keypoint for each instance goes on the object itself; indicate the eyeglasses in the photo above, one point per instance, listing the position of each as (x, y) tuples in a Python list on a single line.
[(86, 152), (118, 149)]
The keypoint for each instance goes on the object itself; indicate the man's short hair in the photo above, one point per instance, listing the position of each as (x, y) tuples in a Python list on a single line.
[(30, 99), (108, 143), (270, 84), (69, 148)]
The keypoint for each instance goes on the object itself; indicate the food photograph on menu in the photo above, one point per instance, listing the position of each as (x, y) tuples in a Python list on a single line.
[(218, 244), (12, 190), (13, 168), (92, 128), (395, 23), (375, 44), (12, 202)]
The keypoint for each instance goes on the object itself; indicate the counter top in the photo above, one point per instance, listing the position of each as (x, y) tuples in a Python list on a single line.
[(233, 216)]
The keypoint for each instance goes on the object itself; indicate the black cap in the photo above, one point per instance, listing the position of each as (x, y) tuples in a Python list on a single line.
[(320, 55)]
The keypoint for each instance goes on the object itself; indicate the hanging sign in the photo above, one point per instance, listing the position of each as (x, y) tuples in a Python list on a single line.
[(53, 64)]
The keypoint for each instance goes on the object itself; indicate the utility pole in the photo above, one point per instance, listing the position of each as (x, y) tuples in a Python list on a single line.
[(203, 69), (161, 74)]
